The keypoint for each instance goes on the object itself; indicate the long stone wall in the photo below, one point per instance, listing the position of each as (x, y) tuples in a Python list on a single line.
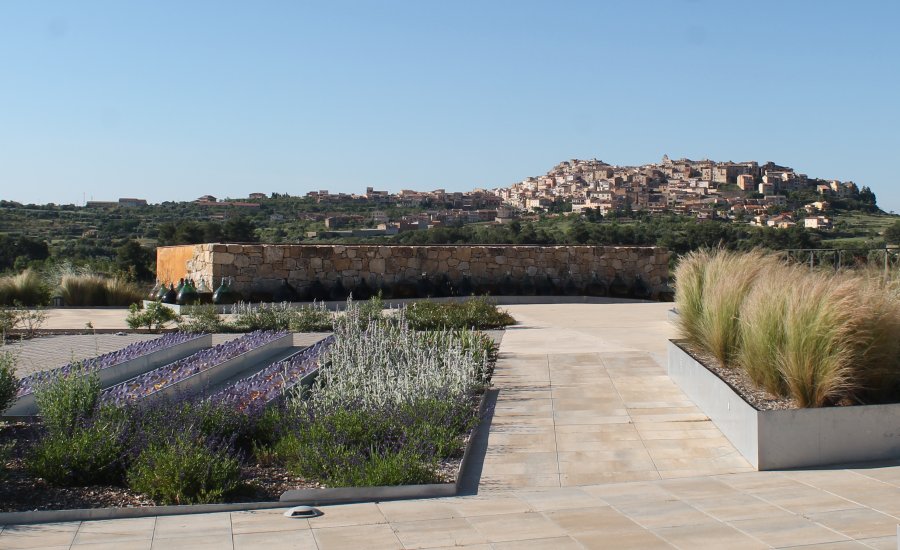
[(261, 267)]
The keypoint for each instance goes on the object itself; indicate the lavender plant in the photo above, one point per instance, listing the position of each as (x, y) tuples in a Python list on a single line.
[(167, 375), (314, 317), (186, 469), (273, 381), (91, 452), (68, 400), (474, 313), (107, 360)]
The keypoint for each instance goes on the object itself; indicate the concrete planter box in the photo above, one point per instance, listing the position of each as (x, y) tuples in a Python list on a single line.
[(226, 370), (26, 406), (773, 440)]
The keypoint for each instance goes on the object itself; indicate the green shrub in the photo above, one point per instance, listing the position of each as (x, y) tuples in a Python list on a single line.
[(372, 309), (474, 313), (345, 448), (185, 470), (25, 289), (263, 317), (67, 401), (315, 317), (9, 383), (326, 448), (9, 318), (86, 455), (403, 466), (155, 316), (30, 320), (203, 318), (438, 425)]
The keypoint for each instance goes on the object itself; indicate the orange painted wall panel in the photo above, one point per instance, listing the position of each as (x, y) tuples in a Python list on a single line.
[(171, 262)]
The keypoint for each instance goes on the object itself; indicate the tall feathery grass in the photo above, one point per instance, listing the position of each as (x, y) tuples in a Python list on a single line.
[(689, 277), (120, 292), (91, 289), (762, 328), (727, 280), (27, 288), (822, 338), (817, 358)]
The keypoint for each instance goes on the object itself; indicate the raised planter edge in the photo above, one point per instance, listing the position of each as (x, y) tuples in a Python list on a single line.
[(26, 406), (794, 438)]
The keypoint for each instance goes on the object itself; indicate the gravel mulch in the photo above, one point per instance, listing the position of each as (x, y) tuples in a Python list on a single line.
[(740, 382)]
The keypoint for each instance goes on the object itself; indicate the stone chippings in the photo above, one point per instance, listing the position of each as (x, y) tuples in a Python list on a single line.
[(262, 266)]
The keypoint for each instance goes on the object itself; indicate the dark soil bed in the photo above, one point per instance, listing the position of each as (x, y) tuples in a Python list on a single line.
[(20, 491)]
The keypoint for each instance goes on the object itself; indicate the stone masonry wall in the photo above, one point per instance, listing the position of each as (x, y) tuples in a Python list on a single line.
[(261, 267)]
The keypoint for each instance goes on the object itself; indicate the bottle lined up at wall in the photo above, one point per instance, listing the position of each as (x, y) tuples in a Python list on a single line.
[(225, 295), (184, 293)]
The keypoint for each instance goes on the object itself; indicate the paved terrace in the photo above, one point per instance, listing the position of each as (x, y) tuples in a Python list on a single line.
[(590, 446)]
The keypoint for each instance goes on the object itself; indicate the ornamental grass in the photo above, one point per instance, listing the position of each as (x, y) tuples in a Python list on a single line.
[(819, 337), (25, 289), (92, 289)]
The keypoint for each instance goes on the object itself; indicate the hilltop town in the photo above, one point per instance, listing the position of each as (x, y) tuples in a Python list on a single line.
[(740, 191)]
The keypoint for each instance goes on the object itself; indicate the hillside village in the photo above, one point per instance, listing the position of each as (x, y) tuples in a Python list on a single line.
[(739, 191), (765, 195)]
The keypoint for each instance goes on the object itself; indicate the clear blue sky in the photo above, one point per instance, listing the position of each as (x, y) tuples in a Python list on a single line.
[(171, 100)]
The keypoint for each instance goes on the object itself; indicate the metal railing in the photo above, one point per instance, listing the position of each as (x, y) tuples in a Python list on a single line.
[(843, 258)]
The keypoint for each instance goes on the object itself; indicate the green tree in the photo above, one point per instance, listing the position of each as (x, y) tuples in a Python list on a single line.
[(240, 230), (134, 260), (892, 233)]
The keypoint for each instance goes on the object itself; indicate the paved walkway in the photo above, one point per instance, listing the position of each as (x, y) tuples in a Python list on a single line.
[(832, 510), (591, 446), (582, 400)]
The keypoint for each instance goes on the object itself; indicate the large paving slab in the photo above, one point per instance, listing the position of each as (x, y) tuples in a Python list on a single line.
[(836, 508), (583, 399)]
